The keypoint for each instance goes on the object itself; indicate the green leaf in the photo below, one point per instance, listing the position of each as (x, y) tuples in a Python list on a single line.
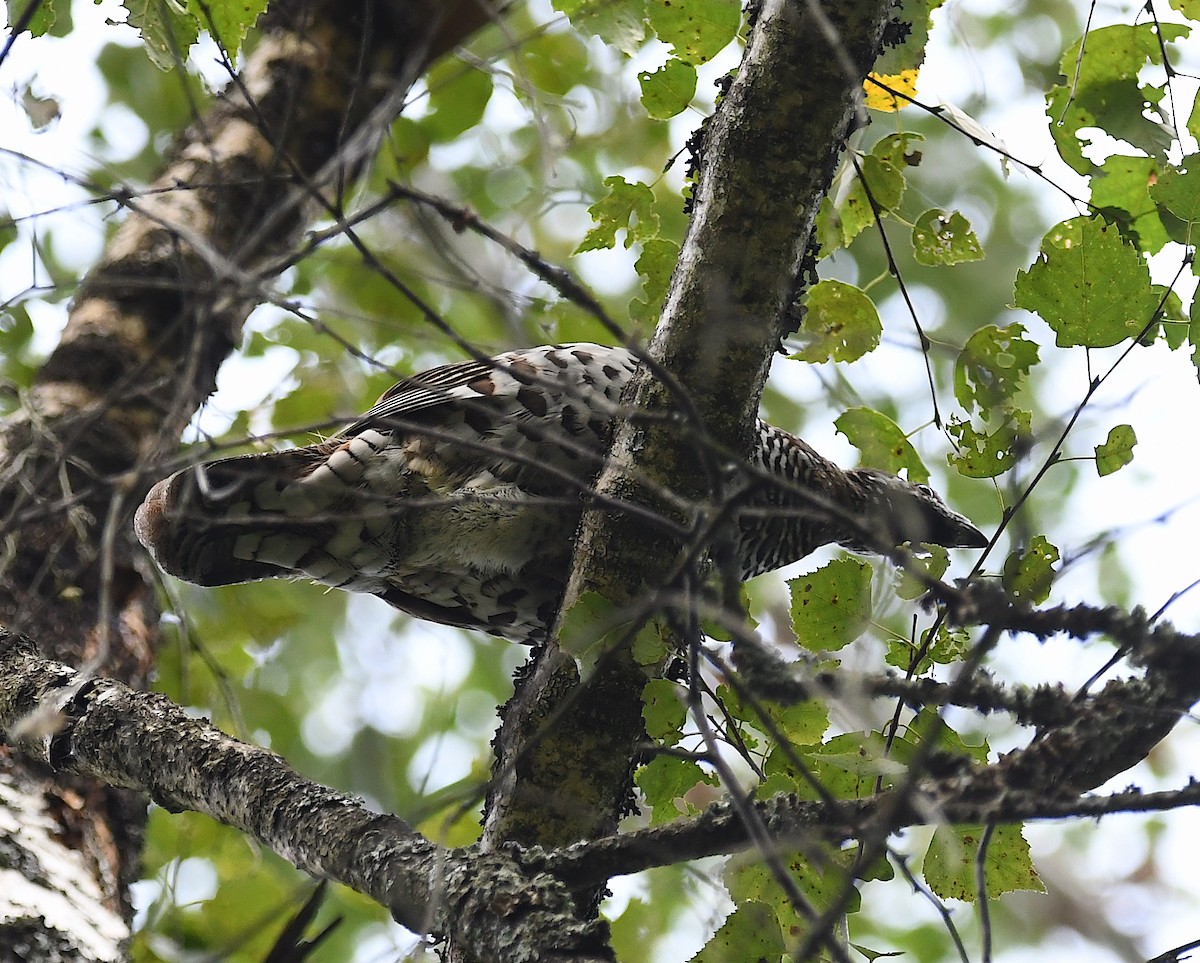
[(1089, 285), (655, 264), (908, 586), (948, 646), (899, 150), (949, 866), (1178, 190), (668, 90), (848, 766), (1118, 52), (801, 723), (1116, 108), (929, 726), (626, 206), (820, 873), (1029, 575), (941, 238), (1189, 8), (831, 606), (586, 626), (840, 322), (41, 21), (886, 182), (623, 25), (982, 455), (839, 223), (168, 31), (553, 61), (664, 708), (697, 30), (991, 367), (227, 21), (829, 227), (665, 779), (909, 53), (1103, 92), (750, 933), (1194, 334), (649, 646), (1121, 192), (1172, 320), (882, 443), (1117, 450), (458, 96)]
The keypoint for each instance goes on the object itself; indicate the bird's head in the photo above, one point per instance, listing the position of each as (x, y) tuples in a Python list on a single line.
[(895, 511)]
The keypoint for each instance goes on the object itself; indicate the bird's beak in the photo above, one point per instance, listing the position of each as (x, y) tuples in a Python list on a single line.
[(963, 534)]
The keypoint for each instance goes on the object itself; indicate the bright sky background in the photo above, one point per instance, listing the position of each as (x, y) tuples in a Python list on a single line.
[(1155, 390)]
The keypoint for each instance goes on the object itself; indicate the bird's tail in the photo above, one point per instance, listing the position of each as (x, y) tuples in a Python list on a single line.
[(234, 520)]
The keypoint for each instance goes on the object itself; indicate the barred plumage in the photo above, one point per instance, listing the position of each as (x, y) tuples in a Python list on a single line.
[(457, 496)]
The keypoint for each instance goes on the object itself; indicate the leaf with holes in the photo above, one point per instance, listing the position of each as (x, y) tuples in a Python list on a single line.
[(1088, 284), (831, 606), (1029, 575), (169, 32), (840, 322), (940, 238), (991, 367), (697, 30), (981, 454), (1117, 450), (655, 264), (668, 90), (626, 206), (228, 21), (882, 443), (623, 25)]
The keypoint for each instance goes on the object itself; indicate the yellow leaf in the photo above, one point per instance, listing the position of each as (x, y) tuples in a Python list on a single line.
[(879, 89)]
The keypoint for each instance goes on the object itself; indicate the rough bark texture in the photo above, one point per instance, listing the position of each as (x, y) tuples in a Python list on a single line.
[(495, 909), (502, 906), (769, 153), (149, 328)]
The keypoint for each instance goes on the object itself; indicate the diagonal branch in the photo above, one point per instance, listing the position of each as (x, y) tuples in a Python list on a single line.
[(143, 741), (566, 748), (149, 327)]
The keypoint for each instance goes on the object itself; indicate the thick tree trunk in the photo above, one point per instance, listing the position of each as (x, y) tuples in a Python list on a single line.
[(149, 328), (566, 748)]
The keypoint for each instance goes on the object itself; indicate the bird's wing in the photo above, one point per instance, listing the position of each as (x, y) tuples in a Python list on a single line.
[(429, 389), (533, 379)]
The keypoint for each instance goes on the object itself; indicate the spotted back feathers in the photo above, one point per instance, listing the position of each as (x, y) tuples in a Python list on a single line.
[(457, 496)]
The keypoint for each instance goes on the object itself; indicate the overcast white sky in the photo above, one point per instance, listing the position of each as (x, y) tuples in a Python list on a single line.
[(1156, 391)]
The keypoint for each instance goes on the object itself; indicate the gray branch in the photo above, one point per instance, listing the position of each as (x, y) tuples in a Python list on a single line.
[(143, 741), (566, 749)]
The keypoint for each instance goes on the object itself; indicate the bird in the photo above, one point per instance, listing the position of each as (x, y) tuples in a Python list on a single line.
[(457, 497)]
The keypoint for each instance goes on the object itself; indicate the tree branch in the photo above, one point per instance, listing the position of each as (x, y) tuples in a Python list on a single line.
[(146, 333), (143, 741), (565, 747)]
